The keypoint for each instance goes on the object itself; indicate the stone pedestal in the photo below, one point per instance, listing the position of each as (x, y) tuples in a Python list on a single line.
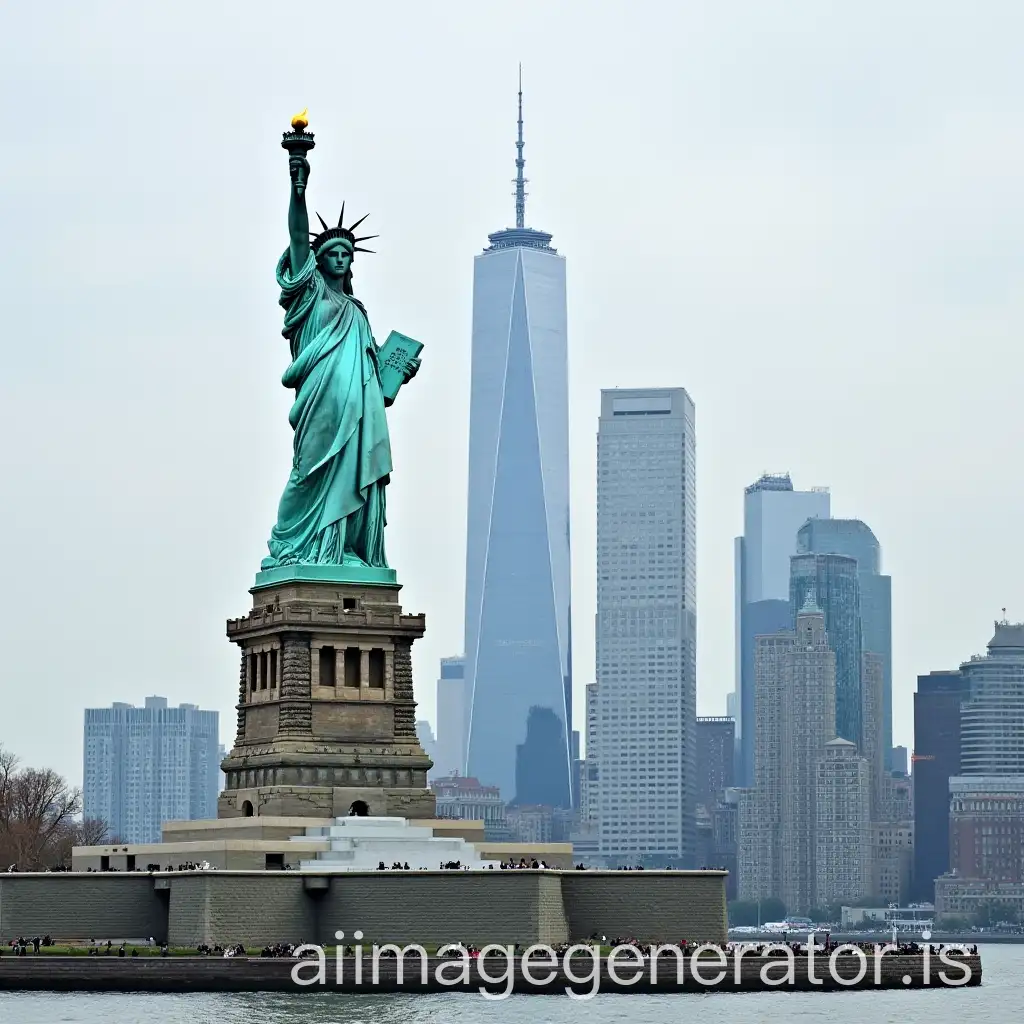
[(326, 716)]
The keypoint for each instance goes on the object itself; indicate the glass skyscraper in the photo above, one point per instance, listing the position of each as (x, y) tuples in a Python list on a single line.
[(646, 628), (145, 766), (832, 582), (853, 538), (518, 661), (772, 513)]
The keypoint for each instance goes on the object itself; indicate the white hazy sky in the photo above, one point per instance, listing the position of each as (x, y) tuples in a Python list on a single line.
[(807, 213)]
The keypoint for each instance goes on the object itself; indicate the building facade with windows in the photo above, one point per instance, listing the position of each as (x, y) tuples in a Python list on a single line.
[(843, 864), (716, 743), (833, 582), (855, 539), (936, 760), (773, 512), (646, 627), (144, 766)]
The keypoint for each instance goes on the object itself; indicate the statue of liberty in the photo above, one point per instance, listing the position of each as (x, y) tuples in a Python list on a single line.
[(332, 512)]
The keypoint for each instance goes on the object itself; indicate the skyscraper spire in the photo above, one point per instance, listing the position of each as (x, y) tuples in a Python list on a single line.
[(520, 163)]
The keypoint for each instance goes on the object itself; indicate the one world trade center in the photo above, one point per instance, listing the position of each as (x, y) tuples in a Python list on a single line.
[(518, 658)]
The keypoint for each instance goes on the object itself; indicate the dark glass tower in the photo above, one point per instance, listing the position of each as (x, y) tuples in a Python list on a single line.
[(854, 538), (936, 760), (833, 582)]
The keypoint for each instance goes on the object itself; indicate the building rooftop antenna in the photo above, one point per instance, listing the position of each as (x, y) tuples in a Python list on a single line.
[(520, 163)]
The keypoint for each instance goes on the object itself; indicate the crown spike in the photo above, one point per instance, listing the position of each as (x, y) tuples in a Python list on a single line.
[(352, 227), (322, 221), (341, 216), (520, 162), (365, 238), (357, 249)]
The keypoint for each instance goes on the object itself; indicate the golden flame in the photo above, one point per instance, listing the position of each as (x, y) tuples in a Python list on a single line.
[(300, 122)]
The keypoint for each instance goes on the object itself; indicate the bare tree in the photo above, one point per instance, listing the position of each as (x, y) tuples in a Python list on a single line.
[(37, 811), (93, 832)]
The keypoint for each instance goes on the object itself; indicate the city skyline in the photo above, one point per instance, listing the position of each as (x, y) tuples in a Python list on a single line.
[(725, 257)]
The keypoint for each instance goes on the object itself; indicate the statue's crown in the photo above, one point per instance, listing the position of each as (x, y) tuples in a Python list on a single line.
[(342, 233)]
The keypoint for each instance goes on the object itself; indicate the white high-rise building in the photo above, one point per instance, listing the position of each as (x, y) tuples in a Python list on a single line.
[(145, 766), (588, 783), (646, 627), (450, 752), (773, 512)]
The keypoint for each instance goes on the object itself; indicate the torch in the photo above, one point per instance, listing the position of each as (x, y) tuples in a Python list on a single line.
[(299, 142)]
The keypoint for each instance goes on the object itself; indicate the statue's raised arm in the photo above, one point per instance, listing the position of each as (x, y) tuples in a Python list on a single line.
[(298, 217)]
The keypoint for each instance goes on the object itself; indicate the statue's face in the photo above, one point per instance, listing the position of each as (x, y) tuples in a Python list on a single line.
[(335, 261)]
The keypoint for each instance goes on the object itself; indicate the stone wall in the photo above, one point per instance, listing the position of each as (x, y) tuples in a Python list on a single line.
[(255, 909), (430, 907), (81, 906), (649, 905)]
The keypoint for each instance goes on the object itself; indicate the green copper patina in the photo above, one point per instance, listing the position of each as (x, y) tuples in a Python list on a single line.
[(330, 522)]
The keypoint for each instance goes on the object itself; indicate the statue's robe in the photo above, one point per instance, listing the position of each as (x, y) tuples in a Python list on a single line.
[(332, 509)]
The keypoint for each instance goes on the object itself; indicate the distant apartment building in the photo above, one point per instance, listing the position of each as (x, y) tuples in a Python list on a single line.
[(987, 827), (892, 861), (451, 717), (716, 742), (897, 802), (463, 798), (843, 864), (773, 512), (539, 824), (646, 627), (144, 766), (987, 796)]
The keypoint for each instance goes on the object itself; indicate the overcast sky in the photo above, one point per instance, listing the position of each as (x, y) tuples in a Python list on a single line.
[(808, 214)]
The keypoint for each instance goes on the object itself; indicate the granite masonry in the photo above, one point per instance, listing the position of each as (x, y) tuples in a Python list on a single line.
[(326, 715), (257, 908)]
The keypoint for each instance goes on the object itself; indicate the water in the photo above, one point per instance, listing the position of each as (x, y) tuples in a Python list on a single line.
[(1001, 997)]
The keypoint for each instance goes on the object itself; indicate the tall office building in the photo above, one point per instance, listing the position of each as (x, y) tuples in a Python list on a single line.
[(145, 766), (853, 538), (646, 626), (795, 674), (773, 512), (844, 836), (450, 755), (992, 716), (808, 724), (833, 582), (936, 760), (518, 660)]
